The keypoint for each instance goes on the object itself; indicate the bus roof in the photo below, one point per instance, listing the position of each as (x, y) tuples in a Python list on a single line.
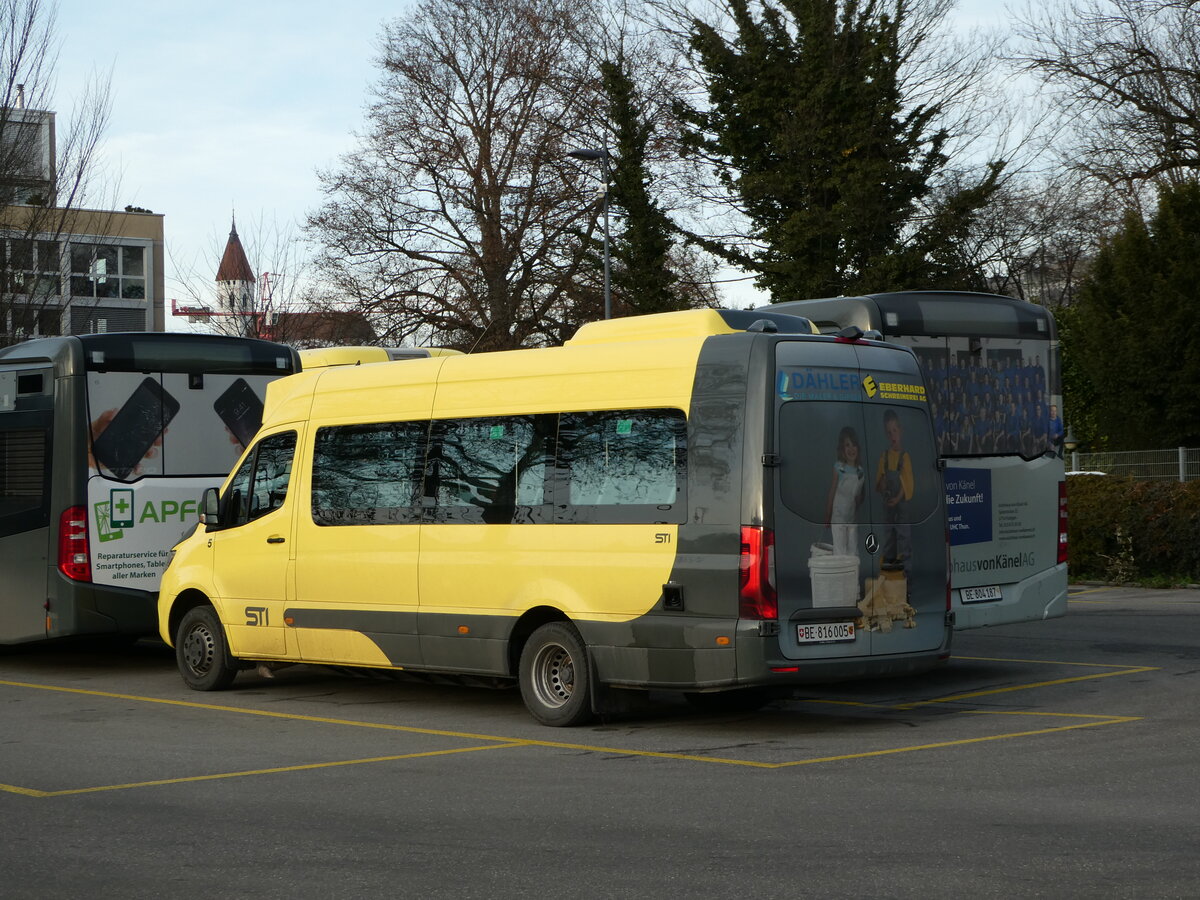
[(935, 313), (322, 357), (597, 362), (690, 323), (141, 351)]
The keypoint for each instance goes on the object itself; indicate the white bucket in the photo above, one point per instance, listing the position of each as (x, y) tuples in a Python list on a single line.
[(834, 578)]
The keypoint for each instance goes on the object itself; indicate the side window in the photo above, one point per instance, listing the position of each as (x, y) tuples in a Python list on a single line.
[(272, 472), (24, 485), (236, 501), (368, 474), (623, 466), (491, 470), (260, 484)]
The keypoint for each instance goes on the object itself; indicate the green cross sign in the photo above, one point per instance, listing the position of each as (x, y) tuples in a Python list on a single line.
[(121, 501)]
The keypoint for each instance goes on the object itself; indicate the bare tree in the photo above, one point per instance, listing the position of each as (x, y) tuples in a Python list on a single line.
[(1127, 75), (1037, 238), (458, 220), (47, 175)]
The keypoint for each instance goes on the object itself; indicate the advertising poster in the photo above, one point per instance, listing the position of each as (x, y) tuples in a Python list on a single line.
[(158, 441), (1001, 531), (132, 527)]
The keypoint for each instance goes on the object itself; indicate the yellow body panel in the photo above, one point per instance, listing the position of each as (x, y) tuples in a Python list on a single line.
[(610, 573)]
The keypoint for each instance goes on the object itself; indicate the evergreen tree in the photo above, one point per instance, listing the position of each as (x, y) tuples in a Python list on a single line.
[(642, 278), (833, 167), (1135, 336)]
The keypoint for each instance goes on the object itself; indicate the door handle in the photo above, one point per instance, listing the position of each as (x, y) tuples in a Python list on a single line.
[(274, 539)]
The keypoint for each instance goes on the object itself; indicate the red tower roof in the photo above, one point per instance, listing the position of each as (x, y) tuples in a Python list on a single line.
[(234, 265)]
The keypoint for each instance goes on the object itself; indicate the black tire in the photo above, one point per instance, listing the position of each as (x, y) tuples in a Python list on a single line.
[(555, 676), (202, 651), (740, 700)]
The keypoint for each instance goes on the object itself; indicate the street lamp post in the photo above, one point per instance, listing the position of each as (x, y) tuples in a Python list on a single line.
[(602, 157)]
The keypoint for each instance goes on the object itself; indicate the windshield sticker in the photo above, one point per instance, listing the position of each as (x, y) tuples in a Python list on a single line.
[(844, 385), (820, 384), (896, 390)]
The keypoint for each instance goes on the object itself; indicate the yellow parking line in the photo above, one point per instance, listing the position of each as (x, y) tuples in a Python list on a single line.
[(28, 792), (1106, 719), (1116, 720), (299, 768), (271, 714), (970, 695), (1057, 662), (502, 742)]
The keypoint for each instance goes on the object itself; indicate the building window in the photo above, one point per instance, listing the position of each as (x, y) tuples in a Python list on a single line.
[(100, 271), (32, 269)]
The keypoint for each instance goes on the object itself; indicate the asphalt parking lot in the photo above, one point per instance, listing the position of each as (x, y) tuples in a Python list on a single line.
[(1048, 759)]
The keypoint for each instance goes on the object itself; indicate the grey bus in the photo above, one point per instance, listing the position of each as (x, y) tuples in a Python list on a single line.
[(107, 442), (992, 367)]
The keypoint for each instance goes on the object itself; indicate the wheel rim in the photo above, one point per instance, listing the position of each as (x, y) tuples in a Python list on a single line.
[(553, 675), (199, 649)]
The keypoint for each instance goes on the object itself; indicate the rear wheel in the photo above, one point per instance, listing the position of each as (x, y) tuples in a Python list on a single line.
[(555, 676), (202, 651)]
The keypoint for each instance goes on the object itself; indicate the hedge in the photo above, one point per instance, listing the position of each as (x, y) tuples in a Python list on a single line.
[(1122, 530)]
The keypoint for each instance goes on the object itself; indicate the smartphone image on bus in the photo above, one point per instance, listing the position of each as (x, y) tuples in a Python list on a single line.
[(135, 428), (240, 410)]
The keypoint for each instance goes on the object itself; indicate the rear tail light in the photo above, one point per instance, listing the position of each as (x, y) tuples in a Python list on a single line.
[(73, 559), (757, 598), (1062, 522)]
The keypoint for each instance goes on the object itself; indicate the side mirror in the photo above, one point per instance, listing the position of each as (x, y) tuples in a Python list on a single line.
[(210, 514)]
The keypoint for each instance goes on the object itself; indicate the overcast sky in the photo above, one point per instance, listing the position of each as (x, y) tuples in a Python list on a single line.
[(223, 105)]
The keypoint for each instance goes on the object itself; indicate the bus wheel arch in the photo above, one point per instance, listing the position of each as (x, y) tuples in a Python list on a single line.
[(202, 650), (183, 604), (530, 621)]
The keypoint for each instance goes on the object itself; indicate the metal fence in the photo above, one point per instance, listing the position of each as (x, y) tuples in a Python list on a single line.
[(1180, 464)]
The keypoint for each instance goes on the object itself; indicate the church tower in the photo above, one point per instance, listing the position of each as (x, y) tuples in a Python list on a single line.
[(235, 280)]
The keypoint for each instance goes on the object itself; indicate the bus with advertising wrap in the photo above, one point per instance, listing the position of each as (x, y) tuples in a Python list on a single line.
[(107, 442), (992, 367), (683, 501)]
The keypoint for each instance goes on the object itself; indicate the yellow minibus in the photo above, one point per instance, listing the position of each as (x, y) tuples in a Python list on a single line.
[(715, 502)]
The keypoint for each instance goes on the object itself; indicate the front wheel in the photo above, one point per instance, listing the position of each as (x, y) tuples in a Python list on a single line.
[(555, 677), (202, 651)]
